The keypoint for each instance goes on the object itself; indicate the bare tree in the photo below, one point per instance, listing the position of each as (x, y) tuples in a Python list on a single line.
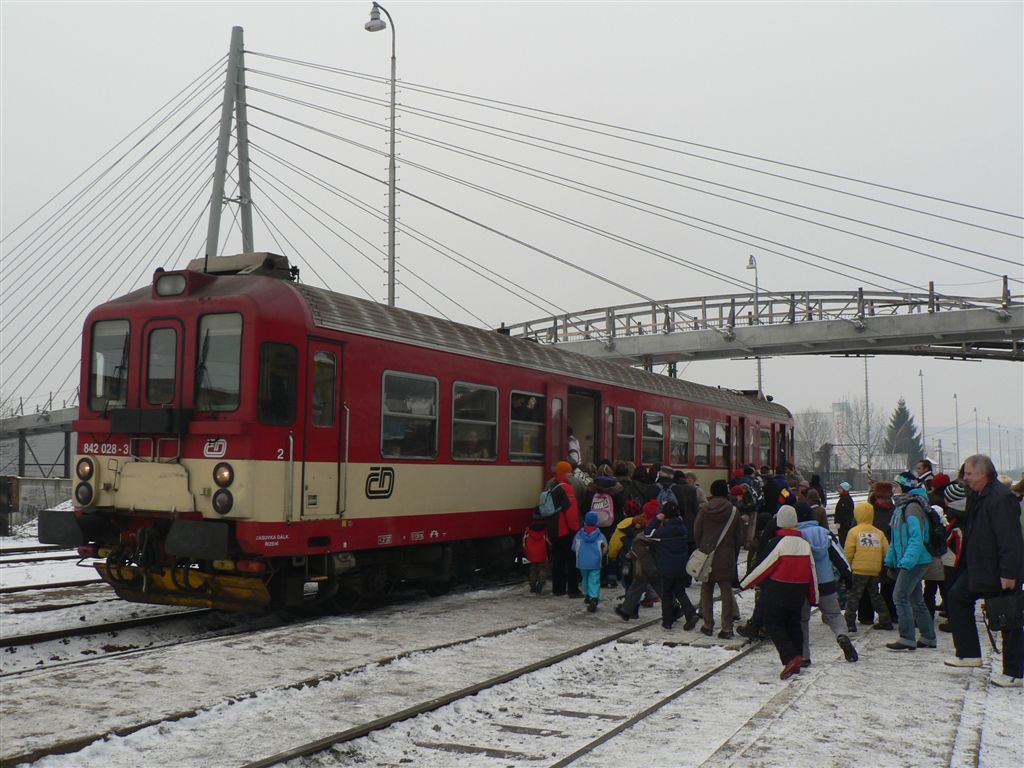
[(860, 433), (813, 430)]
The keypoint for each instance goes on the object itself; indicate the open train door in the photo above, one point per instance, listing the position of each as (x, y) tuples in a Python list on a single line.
[(323, 468)]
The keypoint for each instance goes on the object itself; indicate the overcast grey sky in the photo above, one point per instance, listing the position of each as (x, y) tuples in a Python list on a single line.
[(919, 96)]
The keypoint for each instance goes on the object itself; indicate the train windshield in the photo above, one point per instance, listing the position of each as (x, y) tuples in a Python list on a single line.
[(108, 375), (218, 367)]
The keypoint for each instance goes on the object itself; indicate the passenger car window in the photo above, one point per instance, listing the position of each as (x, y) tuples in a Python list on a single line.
[(409, 416), (474, 421), (526, 426), (679, 441), (654, 438), (701, 442)]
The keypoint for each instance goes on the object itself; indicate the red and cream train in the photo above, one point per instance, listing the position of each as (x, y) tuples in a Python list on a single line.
[(245, 440)]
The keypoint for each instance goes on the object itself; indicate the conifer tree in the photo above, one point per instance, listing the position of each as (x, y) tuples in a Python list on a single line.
[(902, 436)]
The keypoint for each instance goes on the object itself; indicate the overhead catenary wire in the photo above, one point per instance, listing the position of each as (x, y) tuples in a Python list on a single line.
[(210, 71), (156, 247), (359, 251), (508, 198), (415, 234), (505, 107), (74, 317), (102, 222), (562, 148), (97, 220), (56, 230)]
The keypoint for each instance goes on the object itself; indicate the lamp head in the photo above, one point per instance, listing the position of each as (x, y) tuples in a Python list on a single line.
[(376, 23), (752, 263)]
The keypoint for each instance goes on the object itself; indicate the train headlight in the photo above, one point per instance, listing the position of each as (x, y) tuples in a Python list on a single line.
[(223, 474), (170, 285), (222, 502), (83, 494), (84, 469)]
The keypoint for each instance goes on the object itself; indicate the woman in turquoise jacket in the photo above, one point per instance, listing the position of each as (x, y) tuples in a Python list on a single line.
[(907, 560)]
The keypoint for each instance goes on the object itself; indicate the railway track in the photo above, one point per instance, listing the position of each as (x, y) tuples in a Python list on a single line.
[(110, 626), (50, 585), (29, 549), (40, 559), (610, 724)]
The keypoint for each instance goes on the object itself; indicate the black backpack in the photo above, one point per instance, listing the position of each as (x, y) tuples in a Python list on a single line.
[(935, 533)]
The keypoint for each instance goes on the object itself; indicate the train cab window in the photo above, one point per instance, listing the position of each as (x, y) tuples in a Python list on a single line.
[(526, 426), (721, 444), (325, 378), (625, 443), (766, 448), (679, 441), (701, 442), (653, 444), (276, 396), (409, 416), (219, 362), (108, 360), (161, 365), (474, 422)]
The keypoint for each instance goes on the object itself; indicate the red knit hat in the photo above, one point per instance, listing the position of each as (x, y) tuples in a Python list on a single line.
[(651, 509), (940, 481), (736, 490)]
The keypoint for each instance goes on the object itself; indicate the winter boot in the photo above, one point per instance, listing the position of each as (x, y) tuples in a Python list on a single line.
[(848, 650)]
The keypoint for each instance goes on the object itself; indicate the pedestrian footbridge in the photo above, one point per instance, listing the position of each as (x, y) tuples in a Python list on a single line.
[(800, 323)]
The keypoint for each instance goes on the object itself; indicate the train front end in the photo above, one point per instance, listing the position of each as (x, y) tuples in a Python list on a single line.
[(169, 460)]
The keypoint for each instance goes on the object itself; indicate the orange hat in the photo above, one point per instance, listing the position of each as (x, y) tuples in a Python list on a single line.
[(563, 468)]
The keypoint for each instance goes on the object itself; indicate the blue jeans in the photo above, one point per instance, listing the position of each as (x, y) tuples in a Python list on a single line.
[(908, 595)]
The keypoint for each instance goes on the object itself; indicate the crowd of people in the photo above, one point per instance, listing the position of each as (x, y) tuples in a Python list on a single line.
[(923, 536)]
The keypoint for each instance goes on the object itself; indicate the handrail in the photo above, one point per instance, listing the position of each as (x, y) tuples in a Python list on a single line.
[(724, 312)]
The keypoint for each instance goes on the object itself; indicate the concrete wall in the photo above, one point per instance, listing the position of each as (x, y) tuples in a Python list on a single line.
[(23, 497)]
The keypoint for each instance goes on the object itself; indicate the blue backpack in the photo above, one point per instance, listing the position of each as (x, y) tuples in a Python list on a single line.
[(545, 504), (665, 495)]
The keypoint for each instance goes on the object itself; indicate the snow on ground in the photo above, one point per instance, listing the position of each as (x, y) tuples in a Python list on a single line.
[(886, 710)]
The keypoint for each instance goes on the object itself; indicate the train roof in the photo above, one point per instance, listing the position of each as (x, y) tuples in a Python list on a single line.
[(341, 312)]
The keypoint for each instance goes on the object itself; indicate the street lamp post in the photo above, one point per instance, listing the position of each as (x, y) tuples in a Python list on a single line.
[(956, 415), (376, 24), (924, 440), (977, 440), (752, 264)]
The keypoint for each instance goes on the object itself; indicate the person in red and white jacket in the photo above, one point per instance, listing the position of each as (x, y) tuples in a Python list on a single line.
[(787, 577)]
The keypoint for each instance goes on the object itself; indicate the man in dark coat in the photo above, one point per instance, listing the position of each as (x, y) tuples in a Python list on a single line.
[(993, 550)]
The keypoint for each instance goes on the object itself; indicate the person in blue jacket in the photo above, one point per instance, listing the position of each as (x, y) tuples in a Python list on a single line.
[(906, 561), (825, 556), (590, 546)]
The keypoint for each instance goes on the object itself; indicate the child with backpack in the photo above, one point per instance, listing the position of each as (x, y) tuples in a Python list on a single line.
[(537, 550), (865, 548), (590, 547), (622, 541)]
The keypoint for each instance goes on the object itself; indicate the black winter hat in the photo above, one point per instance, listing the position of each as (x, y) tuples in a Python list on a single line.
[(720, 488), (670, 509)]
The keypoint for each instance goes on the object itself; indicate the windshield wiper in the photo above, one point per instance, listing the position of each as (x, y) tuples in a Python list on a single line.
[(201, 372), (119, 373)]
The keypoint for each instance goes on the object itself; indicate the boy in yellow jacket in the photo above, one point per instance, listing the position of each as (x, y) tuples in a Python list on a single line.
[(865, 548)]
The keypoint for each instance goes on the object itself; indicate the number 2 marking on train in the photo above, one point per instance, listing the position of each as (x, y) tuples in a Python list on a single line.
[(280, 453)]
